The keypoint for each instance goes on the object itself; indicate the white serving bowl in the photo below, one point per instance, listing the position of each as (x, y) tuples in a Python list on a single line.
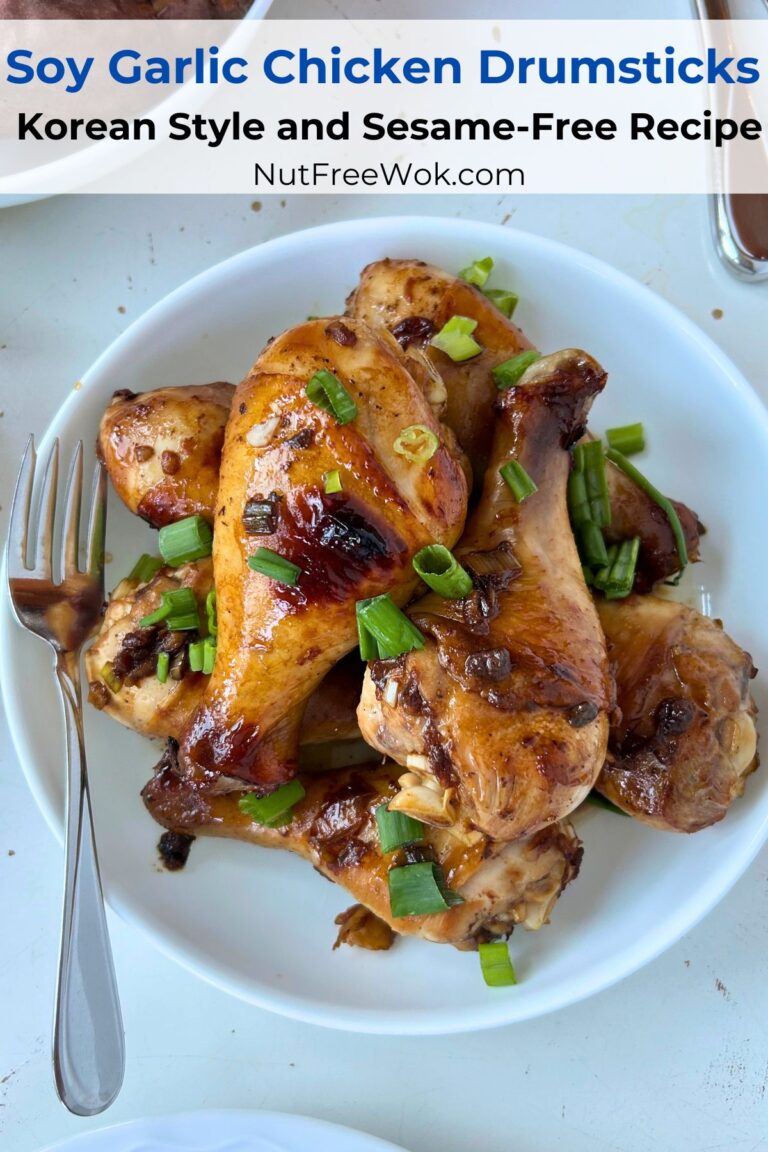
[(260, 923)]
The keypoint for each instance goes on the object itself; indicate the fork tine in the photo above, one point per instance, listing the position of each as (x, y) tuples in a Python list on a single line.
[(45, 521), (70, 537), (18, 531), (97, 524)]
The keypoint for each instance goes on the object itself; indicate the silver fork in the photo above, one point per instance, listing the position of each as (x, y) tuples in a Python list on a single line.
[(88, 1043)]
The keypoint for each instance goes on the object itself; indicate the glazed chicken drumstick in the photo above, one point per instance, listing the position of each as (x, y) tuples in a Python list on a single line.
[(412, 301), (684, 739), (280, 633), (507, 705), (334, 827), (162, 449)]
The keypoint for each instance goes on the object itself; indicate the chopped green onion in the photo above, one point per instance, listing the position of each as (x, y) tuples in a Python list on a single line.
[(455, 339), (209, 655), (390, 629), (589, 459), (517, 480), (186, 622), (332, 481), (505, 301), (195, 653), (578, 501), (163, 666), (478, 272), (628, 439), (441, 571), (621, 576), (416, 443), (145, 568), (328, 392), (599, 801), (275, 566), (588, 575), (210, 612), (186, 540), (178, 609), (276, 809), (420, 890), (600, 578), (113, 682), (592, 545), (369, 649), (508, 373), (397, 829), (496, 965), (663, 502)]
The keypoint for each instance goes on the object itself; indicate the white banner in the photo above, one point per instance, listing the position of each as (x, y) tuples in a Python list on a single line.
[(338, 106)]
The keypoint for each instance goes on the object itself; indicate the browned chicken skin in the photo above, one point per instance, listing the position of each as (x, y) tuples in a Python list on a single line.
[(334, 827), (684, 738), (158, 709), (507, 705), (162, 449), (142, 702), (276, 642), (413, 300)]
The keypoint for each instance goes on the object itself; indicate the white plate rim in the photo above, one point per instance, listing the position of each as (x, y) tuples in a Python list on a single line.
[(229, 1124), (671, 927)]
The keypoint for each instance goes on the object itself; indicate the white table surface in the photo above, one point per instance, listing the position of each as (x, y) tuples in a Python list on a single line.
[(674, 1058)]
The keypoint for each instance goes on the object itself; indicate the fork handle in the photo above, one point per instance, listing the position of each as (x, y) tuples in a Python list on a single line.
[(88, 1041)]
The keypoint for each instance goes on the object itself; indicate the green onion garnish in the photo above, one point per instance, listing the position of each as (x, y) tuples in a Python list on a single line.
[(163, 666), (420, 890), (496, 965), (599, 801), (505, 301), (209, 655), (517, 480), (455, 339), (478, 272), (416, 443), (397, 829), (113, 682), (600, 577), (145, 568), (508, 373), (195, 654), (621, 575), (588, 458), (275, 809), (441, 571), (369, 649), (272, 564), (628, 439), (592, 545), (578, 501), (178, 609), (332, 481), (328, 392), (663, 502), (186, 540), (210, 612), (388, 627)]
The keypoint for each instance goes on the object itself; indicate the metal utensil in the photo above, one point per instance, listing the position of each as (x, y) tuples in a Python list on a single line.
[(739, 220), (88, 1043)]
